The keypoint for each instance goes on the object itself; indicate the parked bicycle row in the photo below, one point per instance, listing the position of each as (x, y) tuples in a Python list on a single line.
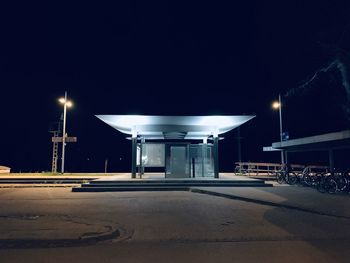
[(324, 182)]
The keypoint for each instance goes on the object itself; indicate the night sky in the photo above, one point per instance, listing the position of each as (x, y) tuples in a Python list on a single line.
[(169, 58)]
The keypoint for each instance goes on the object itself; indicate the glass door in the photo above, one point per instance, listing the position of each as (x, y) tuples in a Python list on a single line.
[(178, 162)]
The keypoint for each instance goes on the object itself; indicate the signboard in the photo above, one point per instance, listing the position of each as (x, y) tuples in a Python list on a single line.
[(68, 139)]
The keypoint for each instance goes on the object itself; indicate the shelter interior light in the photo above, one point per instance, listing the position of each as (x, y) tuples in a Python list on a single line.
[(130, 120)]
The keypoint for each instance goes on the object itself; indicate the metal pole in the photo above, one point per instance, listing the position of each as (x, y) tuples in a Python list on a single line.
[(331, 160), (216, 156), (239, 144), (64, 130), (106, 164), (204, 149), (143, 141), (281, 129), (133, 156)]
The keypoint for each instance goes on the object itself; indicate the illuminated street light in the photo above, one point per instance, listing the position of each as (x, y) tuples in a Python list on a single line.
[(277, 105), (66, 103)]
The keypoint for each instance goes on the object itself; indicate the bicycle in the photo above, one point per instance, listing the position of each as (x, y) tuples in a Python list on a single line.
[(327, 183), (285, 175)]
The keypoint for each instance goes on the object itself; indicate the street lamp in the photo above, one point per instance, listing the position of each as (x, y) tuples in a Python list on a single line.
[(66, 103), (277, 105)]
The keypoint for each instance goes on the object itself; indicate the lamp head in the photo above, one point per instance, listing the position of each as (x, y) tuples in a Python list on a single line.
[(276, 105), (68, 103)]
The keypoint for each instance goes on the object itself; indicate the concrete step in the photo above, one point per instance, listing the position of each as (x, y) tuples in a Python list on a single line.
[(162, 185), (129, 189), (172, 181), (172, 184)]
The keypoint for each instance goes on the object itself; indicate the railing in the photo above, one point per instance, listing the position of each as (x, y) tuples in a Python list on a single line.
[(270, 169)]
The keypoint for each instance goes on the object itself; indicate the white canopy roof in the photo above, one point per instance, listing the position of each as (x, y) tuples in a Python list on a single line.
[(173, 127)]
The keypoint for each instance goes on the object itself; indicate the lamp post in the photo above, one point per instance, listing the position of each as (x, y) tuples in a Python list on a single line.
[(278, 105), (66, 104)]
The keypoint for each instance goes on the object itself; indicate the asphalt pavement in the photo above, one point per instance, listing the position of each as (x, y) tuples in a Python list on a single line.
[(278, 224)]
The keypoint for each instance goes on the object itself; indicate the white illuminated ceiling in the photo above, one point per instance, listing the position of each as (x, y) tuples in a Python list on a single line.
[(174, 127)]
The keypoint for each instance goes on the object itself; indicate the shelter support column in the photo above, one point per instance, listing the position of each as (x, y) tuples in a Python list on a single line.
[(133, 156), (331, 160), (286, 157), (141, 170), (204, 156), (216, 156)]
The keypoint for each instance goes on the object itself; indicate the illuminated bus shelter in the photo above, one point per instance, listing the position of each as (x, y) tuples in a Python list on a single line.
[(185, 146)]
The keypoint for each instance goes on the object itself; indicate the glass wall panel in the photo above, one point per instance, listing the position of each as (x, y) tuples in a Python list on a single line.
[(202, 160), (153, 154)]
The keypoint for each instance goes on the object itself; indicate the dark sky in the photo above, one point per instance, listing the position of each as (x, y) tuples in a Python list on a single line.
[(167, 58)]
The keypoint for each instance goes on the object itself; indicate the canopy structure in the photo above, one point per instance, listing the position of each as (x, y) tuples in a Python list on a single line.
[(180, 159), (323, 142), (174, 127), (328, 141)]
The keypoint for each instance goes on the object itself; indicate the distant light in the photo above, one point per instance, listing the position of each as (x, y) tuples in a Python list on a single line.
[(68, 102), (276, 105)]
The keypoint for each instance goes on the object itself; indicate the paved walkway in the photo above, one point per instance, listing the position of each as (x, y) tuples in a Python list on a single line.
[(181, 226), (299, 197)]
